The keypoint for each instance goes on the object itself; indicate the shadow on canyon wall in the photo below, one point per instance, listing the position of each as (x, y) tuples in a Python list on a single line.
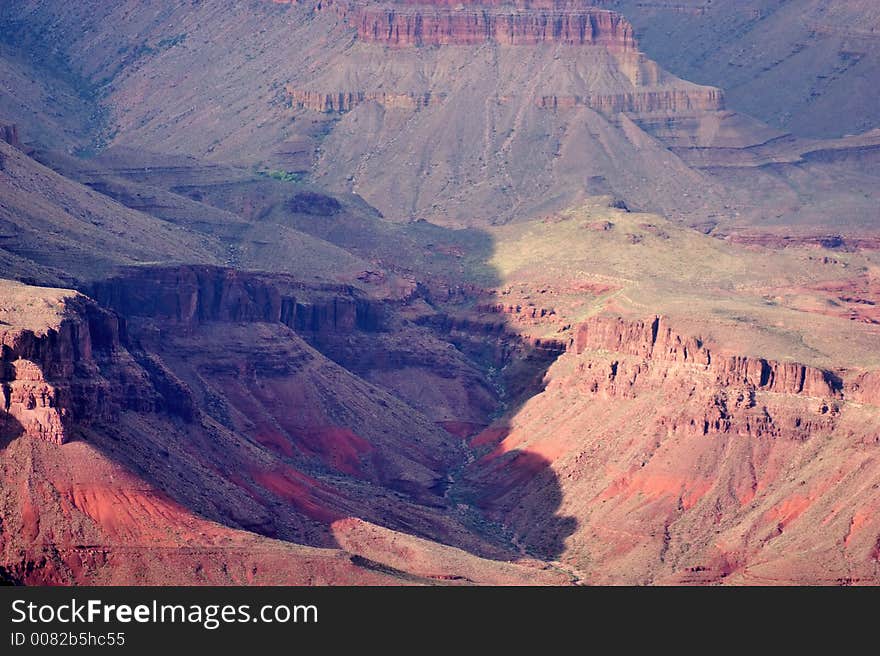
[(10, 428), (499, 486), (209, 475)]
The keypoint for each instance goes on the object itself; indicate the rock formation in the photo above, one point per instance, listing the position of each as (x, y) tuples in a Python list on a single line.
[(657, 440), (726, 392), (265, 379), (186, 296), (803, 67), (9, 134), (52, 378), (641, 102), (32, 402), (203, 403), (344, 101), (427, 25), (656, 341)]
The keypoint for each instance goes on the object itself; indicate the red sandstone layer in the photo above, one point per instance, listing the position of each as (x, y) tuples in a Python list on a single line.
[(675, 463), (430, 25), (656, 341), (200, 447), (640, 102)]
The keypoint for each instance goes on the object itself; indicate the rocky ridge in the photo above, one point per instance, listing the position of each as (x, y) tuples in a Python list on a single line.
[(344, 101), (74, 372), (685, 464), (725, 392), (427, 25), (190, 358)]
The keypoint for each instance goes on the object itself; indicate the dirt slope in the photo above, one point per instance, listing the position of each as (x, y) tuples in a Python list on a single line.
[(806, 67)]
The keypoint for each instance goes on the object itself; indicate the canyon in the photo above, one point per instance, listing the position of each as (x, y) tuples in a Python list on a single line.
[(309, 89), (92, 401), (692, 491), (438, 293)]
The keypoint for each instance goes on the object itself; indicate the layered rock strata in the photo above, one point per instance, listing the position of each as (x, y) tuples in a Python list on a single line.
[(428, 25), (73, 372), (343, 101), (187, 295)]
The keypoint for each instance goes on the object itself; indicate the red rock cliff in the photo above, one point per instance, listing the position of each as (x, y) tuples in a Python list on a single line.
[(188, 295), (425, 25), (716, 392), (674, 462), (50, 380), (655, 340), (343, 101)]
